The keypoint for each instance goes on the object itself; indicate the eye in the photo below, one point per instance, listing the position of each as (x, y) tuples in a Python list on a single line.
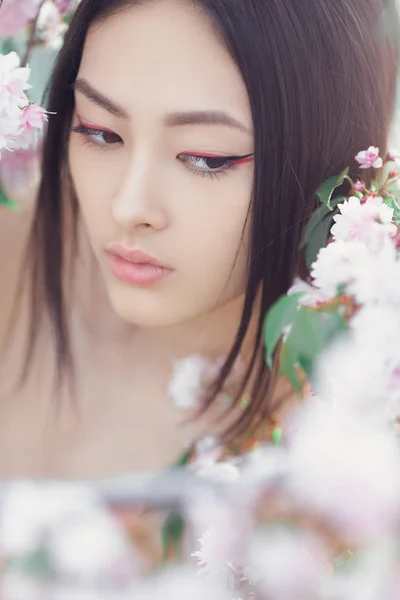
[(212, 165), (98, 137)]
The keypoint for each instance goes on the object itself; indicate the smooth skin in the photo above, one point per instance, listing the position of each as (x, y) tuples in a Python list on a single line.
[(141, 180)]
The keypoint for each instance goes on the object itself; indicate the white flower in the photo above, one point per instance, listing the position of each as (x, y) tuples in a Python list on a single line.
[(10, 130), (312, 296), (376, 279), (28, 511), (186, 384), (265, 465), (212, 557), (338, 264), (16, 116), (90, 548), (286, 564), (372, 576), (219, 472), (361, 370), (222, 543), (227, 521), (180, 583), (346, 469), (13, 84), (367, 222), (207, 465), (50, 25), (18, 586)]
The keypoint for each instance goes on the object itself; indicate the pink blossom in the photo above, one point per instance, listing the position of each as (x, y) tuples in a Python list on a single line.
[(9, 130), (18, 120), (369, 158), (367, 222), (65, 6), (359, 186), (20, 175), (34, 116), (393, 155), (338, 264), (394, 383), (13, 84), (15, 16)]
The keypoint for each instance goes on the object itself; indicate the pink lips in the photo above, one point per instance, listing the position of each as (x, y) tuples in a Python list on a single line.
[(134, 266)]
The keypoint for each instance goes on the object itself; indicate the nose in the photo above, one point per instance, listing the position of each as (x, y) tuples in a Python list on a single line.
[(139, 202)]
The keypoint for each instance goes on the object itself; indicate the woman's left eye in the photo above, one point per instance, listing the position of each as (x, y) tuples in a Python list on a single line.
[(208, 165)]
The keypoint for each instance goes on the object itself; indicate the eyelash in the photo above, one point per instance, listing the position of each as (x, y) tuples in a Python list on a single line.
[(228, 162)]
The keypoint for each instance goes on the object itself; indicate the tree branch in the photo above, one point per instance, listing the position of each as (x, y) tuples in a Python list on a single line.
[(32, 43)]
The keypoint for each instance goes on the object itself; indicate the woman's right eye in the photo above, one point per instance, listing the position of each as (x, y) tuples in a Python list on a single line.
[(102, 138)]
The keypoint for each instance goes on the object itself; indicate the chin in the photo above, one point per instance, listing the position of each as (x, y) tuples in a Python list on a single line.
[(143, 311), (141, 317)]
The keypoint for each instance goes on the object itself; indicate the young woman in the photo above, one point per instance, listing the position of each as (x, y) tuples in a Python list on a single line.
[(181, 163)]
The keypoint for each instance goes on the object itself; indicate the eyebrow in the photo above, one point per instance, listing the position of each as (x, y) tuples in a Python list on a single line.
[(179, 119)]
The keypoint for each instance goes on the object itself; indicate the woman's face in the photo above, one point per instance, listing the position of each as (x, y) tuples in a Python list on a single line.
[(159, 105)]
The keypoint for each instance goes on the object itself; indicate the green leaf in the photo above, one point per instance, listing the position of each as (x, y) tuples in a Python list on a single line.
[(8, 45), (279, 316), (317, 216), (393, 203), (277, 436), (318, 240), (172, 533), (320, 214), (325, 191), (37, 563), (184, 458), (311, 332), (68, 18), (316, 232), (174, 525), (6, 201), (288, 365)]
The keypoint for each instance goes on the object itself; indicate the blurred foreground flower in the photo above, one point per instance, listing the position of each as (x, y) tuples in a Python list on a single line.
[(50, 24), (67, 532), (286, 563), (15, 16), (346, 469)]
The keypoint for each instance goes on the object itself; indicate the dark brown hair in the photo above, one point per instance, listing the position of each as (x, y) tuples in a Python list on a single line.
[(321, 78)]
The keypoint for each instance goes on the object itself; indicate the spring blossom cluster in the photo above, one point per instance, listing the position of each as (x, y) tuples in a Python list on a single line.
[(17, 15), (333, 494), (19, 119)]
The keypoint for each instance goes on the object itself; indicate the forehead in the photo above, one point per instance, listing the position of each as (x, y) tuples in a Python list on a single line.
[(167, 55)]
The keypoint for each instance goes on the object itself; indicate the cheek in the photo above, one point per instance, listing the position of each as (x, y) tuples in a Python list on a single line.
[(92, 186), (217, 242)]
